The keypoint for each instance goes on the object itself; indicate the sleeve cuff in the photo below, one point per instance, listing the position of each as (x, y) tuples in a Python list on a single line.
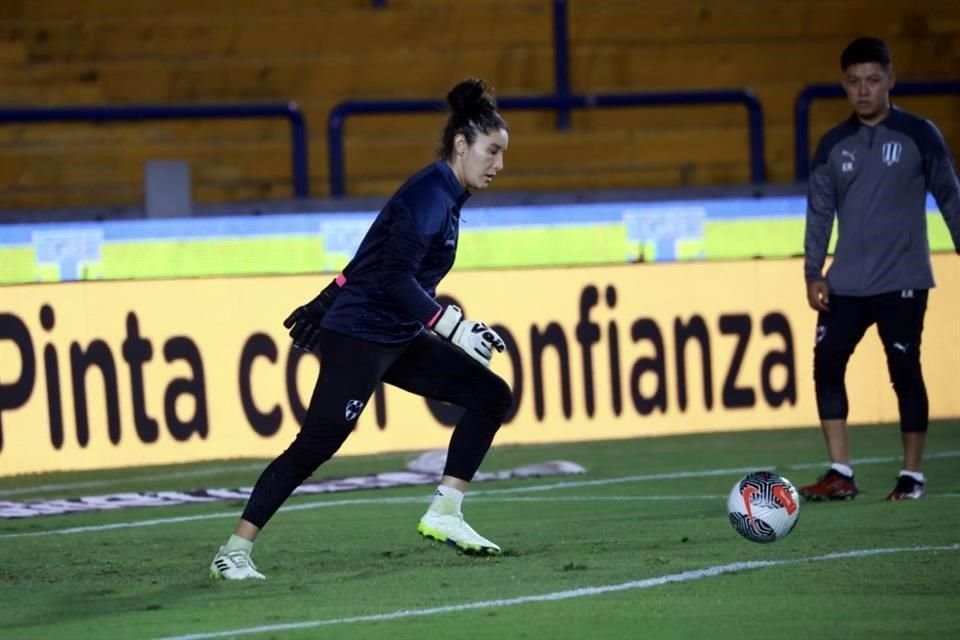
[(433, 319)]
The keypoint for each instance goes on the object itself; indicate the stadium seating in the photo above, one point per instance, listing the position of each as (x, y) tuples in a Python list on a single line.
[(61, 52)]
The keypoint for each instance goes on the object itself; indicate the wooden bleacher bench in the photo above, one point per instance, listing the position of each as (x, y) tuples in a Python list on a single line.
[(62, 52)]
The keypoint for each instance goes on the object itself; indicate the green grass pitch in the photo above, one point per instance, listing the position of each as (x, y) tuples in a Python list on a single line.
[(638, 547)]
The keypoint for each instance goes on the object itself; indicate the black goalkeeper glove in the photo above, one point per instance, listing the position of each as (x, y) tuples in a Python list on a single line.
[(304, 321)]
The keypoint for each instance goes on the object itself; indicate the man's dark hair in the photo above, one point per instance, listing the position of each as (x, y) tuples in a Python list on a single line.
[(865, 50)]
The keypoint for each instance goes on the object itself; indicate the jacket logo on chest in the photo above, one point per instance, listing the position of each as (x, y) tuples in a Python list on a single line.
[(890, 152), (846, 166)]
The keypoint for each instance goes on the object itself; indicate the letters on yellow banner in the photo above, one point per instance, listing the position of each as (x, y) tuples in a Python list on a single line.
[(107, 374)]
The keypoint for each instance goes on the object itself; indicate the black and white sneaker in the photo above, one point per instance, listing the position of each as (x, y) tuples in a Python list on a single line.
[(234, 565), (907, 488)]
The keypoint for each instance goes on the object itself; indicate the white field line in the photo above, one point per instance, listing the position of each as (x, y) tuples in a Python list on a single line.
[(599, 498), (358, 501), (344, 503), (106, 482), (258, 466), (938, 455), (382, 501), (555, 596), (132, 475), (376, 501), (475, 495)]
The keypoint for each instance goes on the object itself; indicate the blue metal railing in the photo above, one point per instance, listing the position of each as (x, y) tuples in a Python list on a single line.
[(561, 56), (299, 163), (801, 113), (561, 60), (340, 112)]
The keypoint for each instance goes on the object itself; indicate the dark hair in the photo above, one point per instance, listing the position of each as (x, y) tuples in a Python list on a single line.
[(864, 50), (472, 109)]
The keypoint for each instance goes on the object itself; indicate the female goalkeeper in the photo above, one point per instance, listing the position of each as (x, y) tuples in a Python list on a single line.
[(379, 321)]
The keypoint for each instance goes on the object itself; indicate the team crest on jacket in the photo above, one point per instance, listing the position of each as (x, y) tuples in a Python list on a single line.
[(891, 152), (354, 407)]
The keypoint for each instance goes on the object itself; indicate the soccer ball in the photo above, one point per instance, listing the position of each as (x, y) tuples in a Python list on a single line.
[(763, 506)]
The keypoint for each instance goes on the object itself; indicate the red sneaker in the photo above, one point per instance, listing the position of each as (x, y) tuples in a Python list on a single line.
[(832, 485), (907, 489)]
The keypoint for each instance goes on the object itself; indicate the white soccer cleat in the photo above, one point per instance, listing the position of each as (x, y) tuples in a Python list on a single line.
[(234, 565), (453, 530)]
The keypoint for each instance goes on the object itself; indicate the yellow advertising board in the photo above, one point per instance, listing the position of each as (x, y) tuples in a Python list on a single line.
[(111, 374)]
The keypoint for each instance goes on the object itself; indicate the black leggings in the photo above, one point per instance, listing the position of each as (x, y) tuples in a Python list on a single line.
[(350, 371), (899, 319)]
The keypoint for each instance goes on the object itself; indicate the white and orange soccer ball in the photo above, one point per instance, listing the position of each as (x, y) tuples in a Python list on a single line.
[(763, 506)]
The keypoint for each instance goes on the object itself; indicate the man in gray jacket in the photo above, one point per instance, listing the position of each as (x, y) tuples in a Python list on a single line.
[(873, 172)]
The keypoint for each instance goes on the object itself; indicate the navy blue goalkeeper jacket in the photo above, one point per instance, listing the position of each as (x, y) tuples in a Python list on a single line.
[(390, 284)]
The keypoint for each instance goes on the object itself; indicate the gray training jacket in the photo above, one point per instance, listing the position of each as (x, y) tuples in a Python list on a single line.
[(876, 180)]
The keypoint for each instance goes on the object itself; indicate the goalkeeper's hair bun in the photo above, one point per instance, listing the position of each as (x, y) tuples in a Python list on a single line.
[(473, 109), (471, 97)]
